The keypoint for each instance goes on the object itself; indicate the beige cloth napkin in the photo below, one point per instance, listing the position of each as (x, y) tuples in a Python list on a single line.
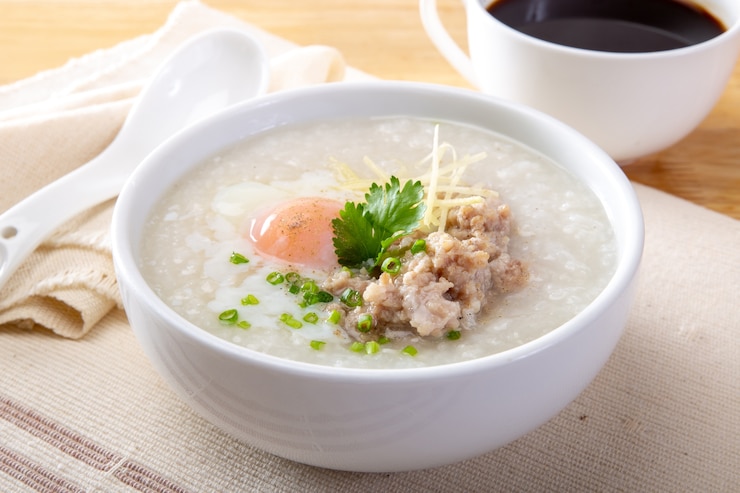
[(58, 120), (92, 415)]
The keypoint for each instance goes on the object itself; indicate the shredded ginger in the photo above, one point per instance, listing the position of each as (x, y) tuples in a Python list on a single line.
[(442, 187)]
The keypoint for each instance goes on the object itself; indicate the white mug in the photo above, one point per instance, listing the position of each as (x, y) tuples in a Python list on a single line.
[(630, 104)]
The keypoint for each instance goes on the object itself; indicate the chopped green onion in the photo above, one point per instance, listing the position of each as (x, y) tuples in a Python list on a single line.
[(275, 278), (383, 340), (357, 346), (325, 296), (351, 298), (229, 317), (391, 265), (334, 317), (348, 271), (290, 321), (410, 350), (310, 299), (419, 246), (238, 258), (365, 322), (453, 335), (244, 324), (250, 299), (320, 297), (293, 277), (317, 344), (310, 287), (294, 289), (372, 347), (311, 318)]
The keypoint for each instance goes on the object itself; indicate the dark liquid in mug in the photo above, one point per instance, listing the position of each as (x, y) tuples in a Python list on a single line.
[(626, 26)]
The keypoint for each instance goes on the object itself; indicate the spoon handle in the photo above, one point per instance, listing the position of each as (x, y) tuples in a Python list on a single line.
[(214, 70), (24, 226)]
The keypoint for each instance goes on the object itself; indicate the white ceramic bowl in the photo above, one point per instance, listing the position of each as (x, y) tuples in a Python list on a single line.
[(377, 420)]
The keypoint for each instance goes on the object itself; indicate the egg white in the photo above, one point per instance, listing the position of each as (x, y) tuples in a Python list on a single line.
[(250, 198), (235, 206)]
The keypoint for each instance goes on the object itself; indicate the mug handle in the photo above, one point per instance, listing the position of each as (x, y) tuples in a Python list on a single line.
[(444, 42)]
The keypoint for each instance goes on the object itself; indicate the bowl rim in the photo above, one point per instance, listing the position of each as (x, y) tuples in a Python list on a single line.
[(128, 273)]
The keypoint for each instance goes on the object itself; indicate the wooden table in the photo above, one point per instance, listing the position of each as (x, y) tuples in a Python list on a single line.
[(382, 37)]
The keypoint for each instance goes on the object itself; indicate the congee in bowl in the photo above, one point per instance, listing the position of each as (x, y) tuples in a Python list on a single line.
[(377, 276), (243, 245)]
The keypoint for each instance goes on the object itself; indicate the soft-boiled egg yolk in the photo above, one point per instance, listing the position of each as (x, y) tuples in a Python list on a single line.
[(298, 232)]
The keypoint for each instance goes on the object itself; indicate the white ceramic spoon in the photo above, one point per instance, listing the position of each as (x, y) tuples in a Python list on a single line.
[(212, 71)]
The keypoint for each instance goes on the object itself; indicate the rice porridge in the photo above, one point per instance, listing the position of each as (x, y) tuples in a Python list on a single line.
[(213, 249)]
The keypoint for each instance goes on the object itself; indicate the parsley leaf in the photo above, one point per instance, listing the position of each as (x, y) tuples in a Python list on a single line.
[(363, 232), (354, 239), (395, 209)]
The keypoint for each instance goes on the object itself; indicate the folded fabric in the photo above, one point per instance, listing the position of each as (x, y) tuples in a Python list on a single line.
[(56, 121)]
